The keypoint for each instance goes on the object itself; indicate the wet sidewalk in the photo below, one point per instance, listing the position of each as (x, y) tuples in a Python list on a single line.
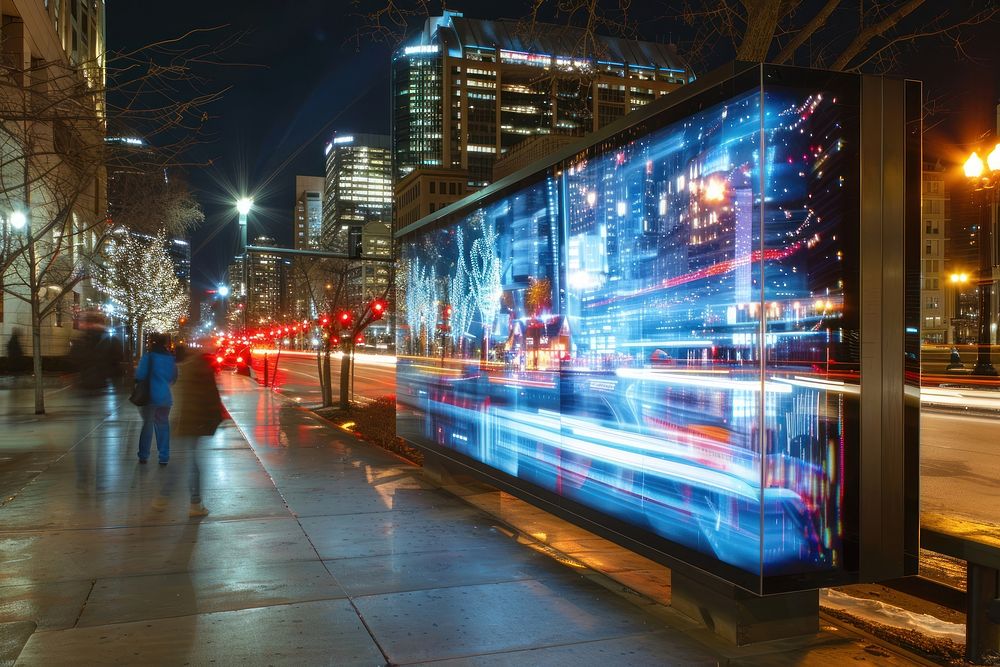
[(318, 549)]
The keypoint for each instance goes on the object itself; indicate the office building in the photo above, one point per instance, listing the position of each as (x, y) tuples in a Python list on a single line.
[(358, 188), (307, 216), (307, 231), (466, 90), (940, 292), (266, 281), (367, 280), (425, 190)]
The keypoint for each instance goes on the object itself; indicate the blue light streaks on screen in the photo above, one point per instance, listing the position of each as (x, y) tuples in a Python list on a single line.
[(597, 333)]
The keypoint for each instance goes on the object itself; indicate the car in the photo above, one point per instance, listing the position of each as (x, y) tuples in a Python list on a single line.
[(237, 359)]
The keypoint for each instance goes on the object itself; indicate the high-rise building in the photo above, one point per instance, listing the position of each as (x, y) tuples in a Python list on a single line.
[(307, 227), (206, 314), (358, 188), (466, 90), (307, 234), (938, 303), (367, 280), (266, 281)]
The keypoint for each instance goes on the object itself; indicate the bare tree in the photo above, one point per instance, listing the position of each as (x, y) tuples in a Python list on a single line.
[(830, 34), (54, 161), (326, 281)]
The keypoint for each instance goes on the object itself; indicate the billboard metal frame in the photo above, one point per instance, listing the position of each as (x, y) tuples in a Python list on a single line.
[(884, 497)]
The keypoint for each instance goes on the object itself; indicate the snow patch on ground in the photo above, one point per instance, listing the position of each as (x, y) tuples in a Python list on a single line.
[(887, 614)]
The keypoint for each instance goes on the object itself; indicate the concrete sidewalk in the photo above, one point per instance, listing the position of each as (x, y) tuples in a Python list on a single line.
[(319, 549)]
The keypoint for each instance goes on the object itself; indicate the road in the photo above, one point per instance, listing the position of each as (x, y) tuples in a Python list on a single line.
[(374, 375), (960, 454)]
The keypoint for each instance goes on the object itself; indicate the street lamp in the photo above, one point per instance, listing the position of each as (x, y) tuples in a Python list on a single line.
[(985, 184), (957, 281), (243, 206), (18, 220)]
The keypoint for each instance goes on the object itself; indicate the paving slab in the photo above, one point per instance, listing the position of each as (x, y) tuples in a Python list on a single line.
[(436, 569), (123, 599), (655, 648), (13, 637), (310, 633), (49, 606), (465, 621), (70, 555), (385, 533)]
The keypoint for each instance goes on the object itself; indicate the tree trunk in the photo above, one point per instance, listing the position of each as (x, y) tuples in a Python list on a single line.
[(762, 22), (345, 377), (139, 345), (327, 381), (36, 353), (36, 330)]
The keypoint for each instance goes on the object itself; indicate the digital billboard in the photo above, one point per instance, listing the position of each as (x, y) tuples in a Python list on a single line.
[(661, 332)]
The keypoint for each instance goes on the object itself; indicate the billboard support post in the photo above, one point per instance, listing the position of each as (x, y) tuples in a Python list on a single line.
[(741, 617)]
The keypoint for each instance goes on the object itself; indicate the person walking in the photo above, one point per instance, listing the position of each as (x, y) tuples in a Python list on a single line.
[(198, 413), (157, 367)]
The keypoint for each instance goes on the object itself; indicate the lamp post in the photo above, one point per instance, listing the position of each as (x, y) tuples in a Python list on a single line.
[(243, 206), (957, 280), (985, 181), (223, 292)]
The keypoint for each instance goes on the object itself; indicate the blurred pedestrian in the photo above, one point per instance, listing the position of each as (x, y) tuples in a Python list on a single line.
[(159, 368), (198, 412), (93, 354), (15, 353)]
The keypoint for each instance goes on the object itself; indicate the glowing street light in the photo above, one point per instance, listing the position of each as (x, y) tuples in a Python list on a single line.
[(974, 166), (18, 220), (243, 206), (985, 182), (223, 291)]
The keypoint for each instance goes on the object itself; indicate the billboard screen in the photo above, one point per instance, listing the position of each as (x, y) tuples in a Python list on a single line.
[(662, 333)]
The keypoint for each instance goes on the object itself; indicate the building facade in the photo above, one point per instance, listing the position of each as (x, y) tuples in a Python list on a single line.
[(938, 303), (307, 234), (425, 190), (307, 226), (367, 280), (266, 281), (46, 50), (358, 189), (466, 90)]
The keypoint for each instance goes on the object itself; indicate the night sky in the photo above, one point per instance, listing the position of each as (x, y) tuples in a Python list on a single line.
[(296, 77)]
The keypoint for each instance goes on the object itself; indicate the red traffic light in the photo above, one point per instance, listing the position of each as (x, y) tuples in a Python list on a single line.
[(446, 311), (324, 320), (344, 317), (378, 308)]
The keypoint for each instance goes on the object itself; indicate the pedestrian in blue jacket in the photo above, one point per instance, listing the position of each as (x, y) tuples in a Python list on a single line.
[(157, 366)]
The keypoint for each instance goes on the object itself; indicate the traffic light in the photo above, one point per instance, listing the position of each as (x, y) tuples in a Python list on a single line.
[(446, 311), (378, 309), (324, 320), (344, 318)]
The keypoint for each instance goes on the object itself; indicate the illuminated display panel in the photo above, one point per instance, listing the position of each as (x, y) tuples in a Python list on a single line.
[(618, 334)]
